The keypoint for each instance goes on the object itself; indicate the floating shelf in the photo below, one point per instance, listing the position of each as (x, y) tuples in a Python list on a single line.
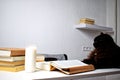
[(94, 27)]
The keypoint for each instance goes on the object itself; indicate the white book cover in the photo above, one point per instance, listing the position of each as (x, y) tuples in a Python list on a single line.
[(18, 58), (68, 63)]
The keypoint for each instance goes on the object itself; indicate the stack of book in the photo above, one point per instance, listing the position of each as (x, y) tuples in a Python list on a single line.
[(12, 59), (87, 21)]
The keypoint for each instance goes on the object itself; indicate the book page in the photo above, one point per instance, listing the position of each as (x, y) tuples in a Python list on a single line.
[(68, 63)]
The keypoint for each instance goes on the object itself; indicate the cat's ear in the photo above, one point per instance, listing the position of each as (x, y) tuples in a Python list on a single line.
[(101, 33)]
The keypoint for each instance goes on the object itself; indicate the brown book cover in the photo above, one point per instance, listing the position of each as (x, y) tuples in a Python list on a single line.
[(72, 66), (12, 51)]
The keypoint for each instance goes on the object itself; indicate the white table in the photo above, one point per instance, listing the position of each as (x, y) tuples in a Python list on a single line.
[(55, 75)]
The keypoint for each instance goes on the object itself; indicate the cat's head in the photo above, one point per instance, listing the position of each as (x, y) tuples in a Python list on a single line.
[(103, 40)]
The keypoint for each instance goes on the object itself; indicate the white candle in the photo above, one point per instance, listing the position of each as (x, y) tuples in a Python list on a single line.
[(30, 59)]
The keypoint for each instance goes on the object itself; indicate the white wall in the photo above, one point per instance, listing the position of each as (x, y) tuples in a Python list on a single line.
[(49, 24), (111, 16), (118, 22)]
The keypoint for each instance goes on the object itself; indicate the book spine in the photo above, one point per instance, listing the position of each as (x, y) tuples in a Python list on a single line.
[(12, 69), (5, 53), (12, 59), (17, 53), (12, 64)]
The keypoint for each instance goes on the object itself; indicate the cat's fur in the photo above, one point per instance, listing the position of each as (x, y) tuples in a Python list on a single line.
[(106, 53)]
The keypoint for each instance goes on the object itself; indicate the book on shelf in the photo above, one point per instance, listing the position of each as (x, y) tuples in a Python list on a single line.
[(11, 59), (87, 21), (72, 66), (14, 63), (12, 52), (12, 69)]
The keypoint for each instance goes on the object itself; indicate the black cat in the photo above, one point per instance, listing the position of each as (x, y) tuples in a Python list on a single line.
[(106, 53)]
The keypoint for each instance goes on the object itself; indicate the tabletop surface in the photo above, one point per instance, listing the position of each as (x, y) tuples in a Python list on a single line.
[(50, 75)]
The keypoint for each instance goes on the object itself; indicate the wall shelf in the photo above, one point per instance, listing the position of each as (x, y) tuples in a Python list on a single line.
[(94, 27)]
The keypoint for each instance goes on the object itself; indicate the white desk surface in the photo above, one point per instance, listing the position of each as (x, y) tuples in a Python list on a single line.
[(55, 75)]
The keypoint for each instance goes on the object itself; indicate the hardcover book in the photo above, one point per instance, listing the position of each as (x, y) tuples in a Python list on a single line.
[(12, 52), (14, 63), (11, 59), (71, 66), (12, 69)]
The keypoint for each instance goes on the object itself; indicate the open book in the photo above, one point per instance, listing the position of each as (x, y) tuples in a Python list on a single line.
[(71, 66)]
